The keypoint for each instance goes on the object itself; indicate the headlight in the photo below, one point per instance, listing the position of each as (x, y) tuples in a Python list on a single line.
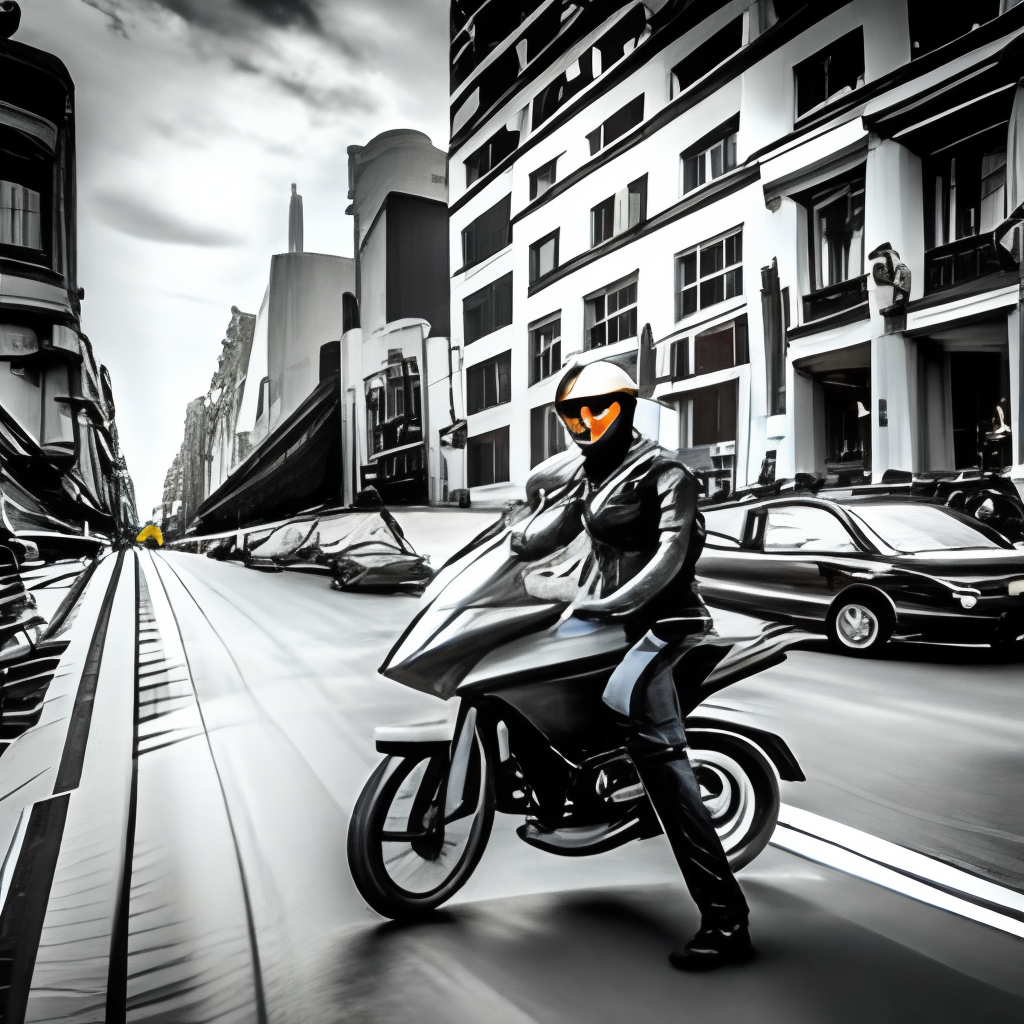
[(968, 601)]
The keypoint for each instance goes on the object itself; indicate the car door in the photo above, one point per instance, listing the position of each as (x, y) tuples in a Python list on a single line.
[(799, 545)]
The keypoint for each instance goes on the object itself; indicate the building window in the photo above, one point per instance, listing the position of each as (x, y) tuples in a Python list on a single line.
[(611, 314), (837, 69), (20, 216), (543, 178), (488, 234), (708, 415), (545, 349), (928, 31), (696, 64), (490, 154), (488, 458), (543, 256), (349, 312), (547, 435), (837, 234), (617, 125), (487, 309), (710, 273), (619, 212), (489, 383), (721, 348), (965, 199), (710, 158)]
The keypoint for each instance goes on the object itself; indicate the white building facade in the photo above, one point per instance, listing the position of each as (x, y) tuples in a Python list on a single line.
[(696, 190)]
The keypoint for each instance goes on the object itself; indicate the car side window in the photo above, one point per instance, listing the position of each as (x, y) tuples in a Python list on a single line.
[(804, 528)]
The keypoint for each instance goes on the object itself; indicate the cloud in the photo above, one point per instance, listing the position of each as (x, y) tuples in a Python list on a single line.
[(133, 217), (113, 10)]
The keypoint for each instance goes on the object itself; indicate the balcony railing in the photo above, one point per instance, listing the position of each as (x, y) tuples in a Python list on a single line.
[(960, 261), (835, 298)]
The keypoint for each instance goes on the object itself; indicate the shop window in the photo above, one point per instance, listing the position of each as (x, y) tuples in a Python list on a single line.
[(543, 256), (709, 273), (965, 196), (545, 349), (547, 435), (710, 158), (619, 212), (543, 178), (488, 309), (611, 314), (617, 125), (696, 64), (929, 31), (837, 69), (487, 457), (500, 145), (489, 383), (488, 234)]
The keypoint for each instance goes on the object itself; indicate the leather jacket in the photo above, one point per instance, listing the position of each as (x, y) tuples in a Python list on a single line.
[(645, 533)]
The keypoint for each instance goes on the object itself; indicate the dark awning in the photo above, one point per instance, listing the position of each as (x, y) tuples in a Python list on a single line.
[(298, 466)]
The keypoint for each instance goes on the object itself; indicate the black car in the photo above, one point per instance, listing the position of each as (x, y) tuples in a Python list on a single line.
[(866, 569)]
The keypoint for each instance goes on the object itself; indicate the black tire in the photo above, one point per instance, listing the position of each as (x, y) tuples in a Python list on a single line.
[(740, 790), (859, 625), (402, 778)]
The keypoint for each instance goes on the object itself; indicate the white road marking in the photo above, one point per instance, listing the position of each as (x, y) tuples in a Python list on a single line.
[(898, 869)]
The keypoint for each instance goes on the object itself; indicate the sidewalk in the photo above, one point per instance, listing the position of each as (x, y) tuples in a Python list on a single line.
[(117, 847)]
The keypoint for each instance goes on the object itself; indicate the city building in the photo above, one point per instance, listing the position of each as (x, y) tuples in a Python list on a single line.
[(408, 447), (700, 190), (285, 452), (62, 474)]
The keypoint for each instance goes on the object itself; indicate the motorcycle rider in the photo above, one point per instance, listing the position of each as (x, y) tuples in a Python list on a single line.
[(639, 509)]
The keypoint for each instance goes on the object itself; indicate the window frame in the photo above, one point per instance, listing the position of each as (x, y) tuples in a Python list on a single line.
[(489, 372), (592, 321), (488, 297), (728, 273), (537, 354), (604, 212), (535, 251), (825, 56), (499, 440), (535, 191), (821, 199), (472, 237), (600, 139), (545, 421)]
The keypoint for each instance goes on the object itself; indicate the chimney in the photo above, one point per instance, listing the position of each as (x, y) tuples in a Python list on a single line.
[(295, 222)]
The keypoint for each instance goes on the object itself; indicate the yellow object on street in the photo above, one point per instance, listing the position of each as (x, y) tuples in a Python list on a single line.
[(151, 532)]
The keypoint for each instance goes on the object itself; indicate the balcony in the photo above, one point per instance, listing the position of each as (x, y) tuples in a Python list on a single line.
[(966, 259), (836, 298)]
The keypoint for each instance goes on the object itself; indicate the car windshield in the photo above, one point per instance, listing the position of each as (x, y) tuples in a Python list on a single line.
[(912, 529)]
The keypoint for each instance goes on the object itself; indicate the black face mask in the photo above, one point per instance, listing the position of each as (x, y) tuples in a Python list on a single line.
[(602, 427)]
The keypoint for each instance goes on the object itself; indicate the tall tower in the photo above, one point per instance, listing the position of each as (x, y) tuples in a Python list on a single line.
[(295, 222)]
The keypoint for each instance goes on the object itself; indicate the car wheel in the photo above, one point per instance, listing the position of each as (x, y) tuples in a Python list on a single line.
[(859, 624)]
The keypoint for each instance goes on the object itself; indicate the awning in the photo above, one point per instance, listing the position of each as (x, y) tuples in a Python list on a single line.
[(297, 467)]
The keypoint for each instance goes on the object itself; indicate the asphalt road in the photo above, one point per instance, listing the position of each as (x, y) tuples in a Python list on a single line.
[(249, 831)]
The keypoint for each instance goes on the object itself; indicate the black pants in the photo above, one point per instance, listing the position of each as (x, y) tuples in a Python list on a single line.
[(642, 692)]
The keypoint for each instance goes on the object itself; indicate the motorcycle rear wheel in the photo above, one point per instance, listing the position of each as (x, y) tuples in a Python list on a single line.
[(740, 790), (400, 867)]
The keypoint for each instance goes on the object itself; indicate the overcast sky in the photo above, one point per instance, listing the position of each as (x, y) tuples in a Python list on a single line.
[(194, 117)]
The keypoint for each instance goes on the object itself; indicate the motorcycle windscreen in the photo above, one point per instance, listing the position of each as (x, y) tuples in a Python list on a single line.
[(480, 602)]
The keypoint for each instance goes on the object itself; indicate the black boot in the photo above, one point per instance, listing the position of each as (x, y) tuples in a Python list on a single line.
[(715, 945)]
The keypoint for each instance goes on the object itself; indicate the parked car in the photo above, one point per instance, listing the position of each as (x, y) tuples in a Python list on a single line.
[(866, 569)]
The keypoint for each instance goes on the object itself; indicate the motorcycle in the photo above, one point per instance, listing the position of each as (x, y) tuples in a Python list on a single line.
[(527, 732)]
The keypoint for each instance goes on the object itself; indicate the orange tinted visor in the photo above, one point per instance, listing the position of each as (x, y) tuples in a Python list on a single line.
[(589, 418)]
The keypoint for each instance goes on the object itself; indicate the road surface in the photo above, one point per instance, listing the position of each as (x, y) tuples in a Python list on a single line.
[(195, 865)]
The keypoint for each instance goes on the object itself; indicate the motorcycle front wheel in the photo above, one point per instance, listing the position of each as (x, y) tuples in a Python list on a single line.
[(401, 863)]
